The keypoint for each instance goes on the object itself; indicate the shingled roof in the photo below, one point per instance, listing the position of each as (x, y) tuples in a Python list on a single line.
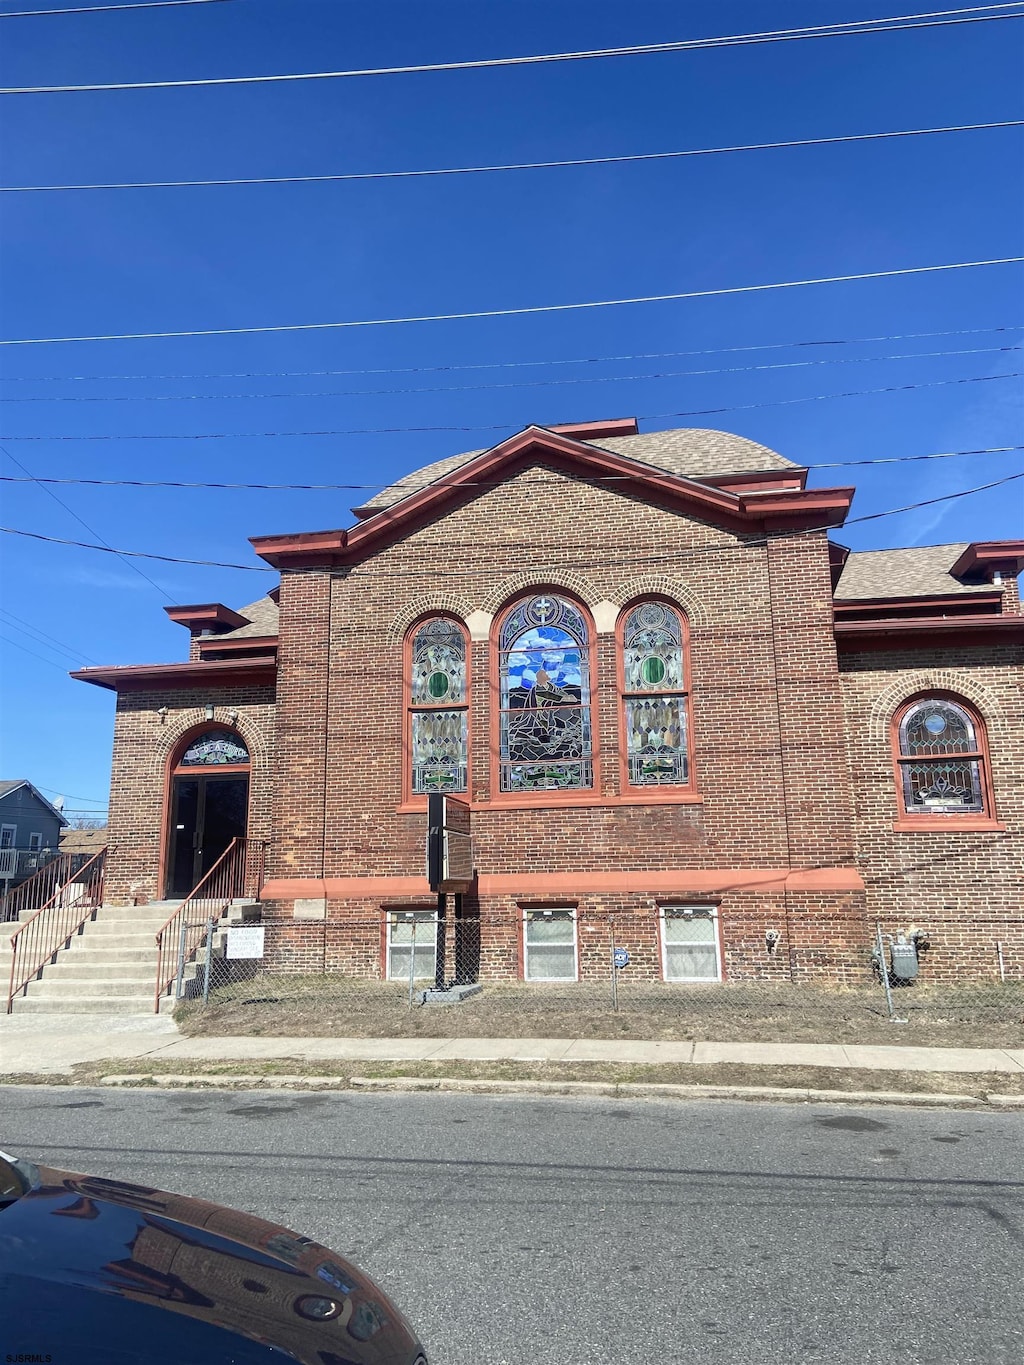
[(691, 452), (262, 619), (920, 571)]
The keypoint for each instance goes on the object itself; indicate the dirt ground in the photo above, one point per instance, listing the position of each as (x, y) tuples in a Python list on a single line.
[(983, 1015), (976, 1086)]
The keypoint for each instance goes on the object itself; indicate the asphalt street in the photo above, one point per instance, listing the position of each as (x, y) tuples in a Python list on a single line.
[(535, 1231)]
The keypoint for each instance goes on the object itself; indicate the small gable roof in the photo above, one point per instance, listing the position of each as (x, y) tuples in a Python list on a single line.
[(261, 619), (15, 784), (916, 571)]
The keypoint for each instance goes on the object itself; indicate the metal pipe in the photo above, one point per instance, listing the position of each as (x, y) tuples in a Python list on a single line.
[(209, 961), (615, 974), (1002, 964), (412, 966), (181, 957)]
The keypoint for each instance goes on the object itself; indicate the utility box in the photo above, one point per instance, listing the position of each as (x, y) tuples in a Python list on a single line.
[(903, 956)]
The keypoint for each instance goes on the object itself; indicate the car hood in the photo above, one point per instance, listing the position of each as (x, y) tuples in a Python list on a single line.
[(122, 1253)]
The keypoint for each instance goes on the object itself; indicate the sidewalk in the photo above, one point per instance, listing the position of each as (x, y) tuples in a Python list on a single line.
[(53, 1044)]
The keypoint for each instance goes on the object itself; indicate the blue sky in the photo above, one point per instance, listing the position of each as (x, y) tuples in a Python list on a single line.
[(140, 260)]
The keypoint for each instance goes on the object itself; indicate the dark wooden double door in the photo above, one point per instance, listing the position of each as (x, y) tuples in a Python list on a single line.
[(207, 812)]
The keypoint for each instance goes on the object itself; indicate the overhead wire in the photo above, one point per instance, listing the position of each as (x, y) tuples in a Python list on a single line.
[(255, 568), (104, 9), (512, 384), (399, 486), (509, 364), (82, 522), (898, 23), (40, 637), (498, 426), (510, 166), (519, 312)]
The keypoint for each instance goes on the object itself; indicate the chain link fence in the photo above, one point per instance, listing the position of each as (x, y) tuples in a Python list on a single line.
[(553, 973)]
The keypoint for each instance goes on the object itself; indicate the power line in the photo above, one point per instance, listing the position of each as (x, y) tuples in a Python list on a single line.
[(38, 636), (252, 568), (507, 364), (514, 384), (510, 426), (450, 483), (520, 312), (511, 166), (104, 9), (14, 644), (74, 796), (889, 24), (82, 522)]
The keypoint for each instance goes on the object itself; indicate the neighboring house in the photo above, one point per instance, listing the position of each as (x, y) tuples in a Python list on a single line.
[(665, 693), (83, 841), (30, 829)]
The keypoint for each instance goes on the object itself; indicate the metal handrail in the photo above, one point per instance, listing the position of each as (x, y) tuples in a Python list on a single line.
[(55, 923), (36, 891), (237, 873)]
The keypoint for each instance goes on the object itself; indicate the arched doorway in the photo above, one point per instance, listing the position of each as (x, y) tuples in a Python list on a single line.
[(208, 805)]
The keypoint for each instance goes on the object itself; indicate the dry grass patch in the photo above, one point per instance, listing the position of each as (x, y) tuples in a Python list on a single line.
[(985, 1015)]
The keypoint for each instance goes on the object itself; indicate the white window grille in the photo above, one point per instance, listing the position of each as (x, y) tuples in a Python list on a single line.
[(550, 951), (689, 943), (8, 835), (400, 944)]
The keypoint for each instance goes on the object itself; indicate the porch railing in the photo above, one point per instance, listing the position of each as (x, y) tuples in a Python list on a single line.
[(73, 892), (236, 875), (38, 890)]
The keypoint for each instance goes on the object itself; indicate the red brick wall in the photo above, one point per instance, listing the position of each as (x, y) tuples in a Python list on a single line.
[(965, 890), (761, 633), (143, 746)]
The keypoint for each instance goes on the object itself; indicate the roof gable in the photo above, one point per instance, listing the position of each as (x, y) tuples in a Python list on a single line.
[(17, 784), (784, 507)]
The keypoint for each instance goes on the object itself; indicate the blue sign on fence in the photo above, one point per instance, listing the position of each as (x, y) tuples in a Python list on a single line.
[(621, 958)]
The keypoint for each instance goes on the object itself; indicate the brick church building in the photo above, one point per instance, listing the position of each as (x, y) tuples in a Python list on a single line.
[(663, 688)]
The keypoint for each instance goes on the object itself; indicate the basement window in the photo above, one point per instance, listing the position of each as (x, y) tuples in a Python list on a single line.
[(550, 951), (409, 932), (689, 943)]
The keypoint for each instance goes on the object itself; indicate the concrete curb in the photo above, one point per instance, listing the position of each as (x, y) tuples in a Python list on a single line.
[(584, 1089)]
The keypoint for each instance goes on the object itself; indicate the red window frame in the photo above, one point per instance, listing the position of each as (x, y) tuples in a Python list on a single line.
[(418, 800), (655, 792), (908, 819)]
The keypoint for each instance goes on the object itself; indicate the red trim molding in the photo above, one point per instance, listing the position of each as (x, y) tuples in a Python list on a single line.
[(927, 632), (206, 615), (212, 673), (247, 644), (983, 556), (571, 885)]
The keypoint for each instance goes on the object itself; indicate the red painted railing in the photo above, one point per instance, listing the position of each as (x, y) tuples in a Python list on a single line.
[(236, 875), (74, 892)]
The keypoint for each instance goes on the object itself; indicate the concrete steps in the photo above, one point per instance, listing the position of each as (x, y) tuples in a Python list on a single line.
[(110, 966)]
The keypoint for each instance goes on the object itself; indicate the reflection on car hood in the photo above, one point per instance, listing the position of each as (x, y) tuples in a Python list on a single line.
[(126, 1254)]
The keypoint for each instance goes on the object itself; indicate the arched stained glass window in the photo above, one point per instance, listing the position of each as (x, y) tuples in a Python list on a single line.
[(940, 757), (546, 739), (215, 748), (654, 696), (438, 712)]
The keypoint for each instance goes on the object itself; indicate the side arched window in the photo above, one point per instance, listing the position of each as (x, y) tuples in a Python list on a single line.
[(655, 696), (438, 708), (546, 740), (941, 759)]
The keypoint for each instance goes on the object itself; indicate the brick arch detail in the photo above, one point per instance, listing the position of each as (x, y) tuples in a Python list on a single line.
[(172, 734), (439, 603), (518, 585), (915, 681), (661, 585)]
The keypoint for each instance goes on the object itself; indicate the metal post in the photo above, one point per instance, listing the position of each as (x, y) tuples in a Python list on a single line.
[(1002, 964), (181, 958), (615, 971), (883, 968), (412, 966), (439, 965), (209, 961)]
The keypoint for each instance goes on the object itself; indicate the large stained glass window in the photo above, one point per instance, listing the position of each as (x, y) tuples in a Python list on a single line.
[(438, 708), (215, 748), (940, 759), (546, 739), (655, 697)]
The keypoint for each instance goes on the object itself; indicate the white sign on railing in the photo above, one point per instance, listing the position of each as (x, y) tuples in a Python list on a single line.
[(246, 942)]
